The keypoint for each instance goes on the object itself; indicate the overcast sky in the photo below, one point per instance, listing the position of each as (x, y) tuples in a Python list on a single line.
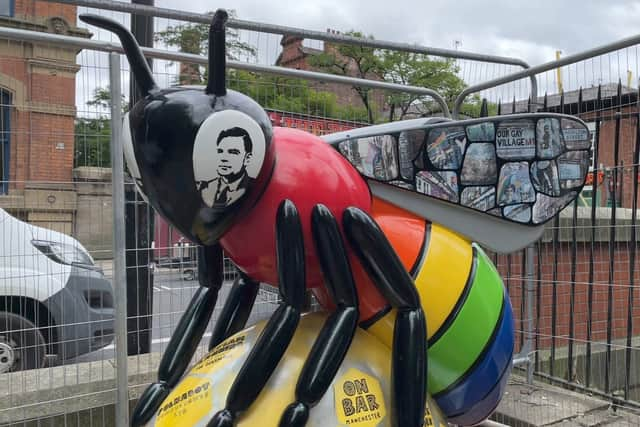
[(532, 30)]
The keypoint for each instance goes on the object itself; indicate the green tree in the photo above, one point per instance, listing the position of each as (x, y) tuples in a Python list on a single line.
[(404, 68), (92, 139), (473, 105), (353, 61), (292, 95), (92, 142), (272, 92), (419, 70), (193, 38)]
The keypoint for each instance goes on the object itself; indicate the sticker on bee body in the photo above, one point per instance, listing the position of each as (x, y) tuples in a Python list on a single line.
[(547, 207), (516, 140), (520, 213), (443, 185), (482, 132), (445, 147), (575, 135), (228, 154), (374, 157), (409, 144), (544, 175), (479, 198), (548, 136), (479, 166), (572, 168), (514, 185)]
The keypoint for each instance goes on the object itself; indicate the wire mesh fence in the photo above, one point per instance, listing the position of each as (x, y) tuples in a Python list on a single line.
[(56, 137)]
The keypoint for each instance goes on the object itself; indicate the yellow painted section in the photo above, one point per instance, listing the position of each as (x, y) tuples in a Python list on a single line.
[(359, 400), (217, 358), (358, 396), (440, 282), (187, 404)]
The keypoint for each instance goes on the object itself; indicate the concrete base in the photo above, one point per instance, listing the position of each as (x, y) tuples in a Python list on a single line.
[(70, 394), (84, 395), (539, 404)]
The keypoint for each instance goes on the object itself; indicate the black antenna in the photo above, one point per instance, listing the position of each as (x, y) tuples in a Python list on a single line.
[(137, 62), (217, 54)]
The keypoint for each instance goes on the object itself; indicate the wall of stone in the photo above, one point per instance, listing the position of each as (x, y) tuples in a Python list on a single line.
[(94, 214)]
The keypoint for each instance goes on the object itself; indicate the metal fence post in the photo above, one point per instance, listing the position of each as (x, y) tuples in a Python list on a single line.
[(119, 269), (529, 295), (524, 356)]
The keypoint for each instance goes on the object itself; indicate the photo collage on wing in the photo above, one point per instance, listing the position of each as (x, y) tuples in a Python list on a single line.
[(523, 169)]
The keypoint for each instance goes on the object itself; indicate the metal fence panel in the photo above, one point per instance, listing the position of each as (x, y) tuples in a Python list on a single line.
[(574, 293)]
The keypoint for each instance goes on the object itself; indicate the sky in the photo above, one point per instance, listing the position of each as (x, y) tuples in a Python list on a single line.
[(532, 31)]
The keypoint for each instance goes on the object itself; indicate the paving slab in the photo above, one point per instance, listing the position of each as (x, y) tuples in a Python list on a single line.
[(539, 404)]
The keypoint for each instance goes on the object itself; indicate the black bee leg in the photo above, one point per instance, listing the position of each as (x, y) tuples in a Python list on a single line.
[(337, 333), (278, 332), (236, 309), (186, 337), (409, 366)]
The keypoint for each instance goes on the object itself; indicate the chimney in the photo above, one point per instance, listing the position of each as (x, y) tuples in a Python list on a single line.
[(288, 40)]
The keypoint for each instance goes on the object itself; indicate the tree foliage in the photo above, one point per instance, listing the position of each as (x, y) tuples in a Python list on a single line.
[(353, 61), (92, 140), (193, 38), (403, 68), (419, 70), (292, 95), (272, 92)]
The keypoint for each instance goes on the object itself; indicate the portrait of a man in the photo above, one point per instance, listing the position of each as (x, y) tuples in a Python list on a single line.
[(234, 150)]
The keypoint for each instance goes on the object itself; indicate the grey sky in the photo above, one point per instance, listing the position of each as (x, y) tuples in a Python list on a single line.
[(532, 30)]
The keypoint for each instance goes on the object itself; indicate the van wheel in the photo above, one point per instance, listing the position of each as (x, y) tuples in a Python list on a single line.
[(22, 345)]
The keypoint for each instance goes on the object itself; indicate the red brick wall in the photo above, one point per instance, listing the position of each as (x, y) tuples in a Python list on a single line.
[(33, 8), (626, 149), (19, 147), (58, 90), (34, 134), (511, 270), (292, 57), (48, 163)]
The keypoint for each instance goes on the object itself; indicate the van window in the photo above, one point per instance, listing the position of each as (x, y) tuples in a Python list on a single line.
[(7, 7)]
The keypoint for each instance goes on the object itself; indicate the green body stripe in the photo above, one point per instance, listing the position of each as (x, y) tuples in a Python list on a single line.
[(459, 347)]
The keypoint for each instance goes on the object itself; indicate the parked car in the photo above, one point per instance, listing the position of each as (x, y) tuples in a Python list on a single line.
[(54, 300)]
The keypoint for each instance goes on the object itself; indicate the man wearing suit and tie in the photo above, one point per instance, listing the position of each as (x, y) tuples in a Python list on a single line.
[(234, 151)]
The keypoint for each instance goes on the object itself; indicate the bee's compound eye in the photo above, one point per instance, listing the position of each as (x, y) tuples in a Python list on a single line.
[(130, 156), (228, 154)]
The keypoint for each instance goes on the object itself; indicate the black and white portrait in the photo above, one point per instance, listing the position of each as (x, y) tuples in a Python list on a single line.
[(227, 156)]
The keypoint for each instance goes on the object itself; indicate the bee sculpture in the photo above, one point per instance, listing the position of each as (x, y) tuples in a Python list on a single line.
[(378, 222)]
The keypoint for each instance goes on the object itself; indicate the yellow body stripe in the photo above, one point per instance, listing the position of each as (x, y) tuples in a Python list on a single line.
[(440, 282)]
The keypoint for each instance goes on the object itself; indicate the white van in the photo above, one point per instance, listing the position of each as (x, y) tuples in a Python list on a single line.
[(54, 300)]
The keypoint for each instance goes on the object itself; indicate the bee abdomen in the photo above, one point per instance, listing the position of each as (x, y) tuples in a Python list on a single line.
[(469, 325)]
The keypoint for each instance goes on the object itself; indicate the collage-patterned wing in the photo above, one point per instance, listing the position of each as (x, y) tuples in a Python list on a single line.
[(505, 174)]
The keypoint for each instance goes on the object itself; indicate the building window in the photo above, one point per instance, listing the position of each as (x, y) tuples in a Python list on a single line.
[(7, 7), (5, 136)]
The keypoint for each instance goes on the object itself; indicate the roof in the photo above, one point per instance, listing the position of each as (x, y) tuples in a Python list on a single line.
[(589, 95)]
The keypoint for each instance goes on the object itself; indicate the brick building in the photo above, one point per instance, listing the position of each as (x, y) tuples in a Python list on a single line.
[(295, 55), (614, 113), (38, 90)]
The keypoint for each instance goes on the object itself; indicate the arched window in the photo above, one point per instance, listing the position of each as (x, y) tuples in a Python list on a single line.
[(7, 7), (5, 138)]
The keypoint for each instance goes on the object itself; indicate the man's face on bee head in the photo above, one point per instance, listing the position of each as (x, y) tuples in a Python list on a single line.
[(232, 156)]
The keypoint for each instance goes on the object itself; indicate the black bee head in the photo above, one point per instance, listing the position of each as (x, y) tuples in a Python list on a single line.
[(199, 154)]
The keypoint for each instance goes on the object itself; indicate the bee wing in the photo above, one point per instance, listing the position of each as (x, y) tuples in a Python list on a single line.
[(495, 180)]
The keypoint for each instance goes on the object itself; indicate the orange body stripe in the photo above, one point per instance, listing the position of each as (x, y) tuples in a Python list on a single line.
[(404, 230)]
